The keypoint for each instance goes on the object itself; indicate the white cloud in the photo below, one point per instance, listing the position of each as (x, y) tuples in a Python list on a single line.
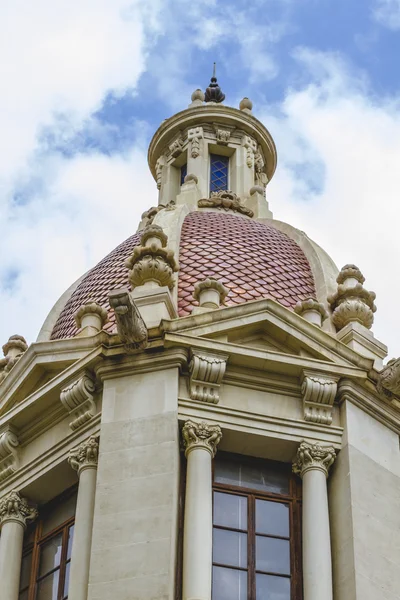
[(387, 13), (338, 177)]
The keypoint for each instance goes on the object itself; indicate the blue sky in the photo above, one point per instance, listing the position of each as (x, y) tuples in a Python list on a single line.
[(86, 85)]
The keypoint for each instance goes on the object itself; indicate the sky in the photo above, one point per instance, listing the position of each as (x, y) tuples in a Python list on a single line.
[(84, 85)]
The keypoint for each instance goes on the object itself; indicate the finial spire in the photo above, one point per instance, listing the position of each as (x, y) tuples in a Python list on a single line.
[(214, 92)]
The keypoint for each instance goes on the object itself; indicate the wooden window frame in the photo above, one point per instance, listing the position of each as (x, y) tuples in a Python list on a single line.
[(40, 539), (293, 499)]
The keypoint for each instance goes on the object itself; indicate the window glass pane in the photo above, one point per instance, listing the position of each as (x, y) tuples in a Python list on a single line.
[(26, 565), (272, 518), (272, 555), (50, 555), (66, 583), (229, 584), (230, 510), (183, 173), (269, 587), (230, 548), (261, 476), (47, 588), (60, 513), (70, 540), (218, 172)]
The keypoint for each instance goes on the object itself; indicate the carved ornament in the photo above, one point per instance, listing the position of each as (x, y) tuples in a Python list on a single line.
[(261, 177), (91, 308), (13, 350), (222, 134), (86, 455), (160, 164), (352, 302), (319, 394), (388, 384), (9, 458), (176, 147), (206, 373), (152, 261), (250, 146), (225, 201), (151, 213), (313, 456), (201, 436), (15, 508), (130, 324), (210, 284), (303, 306), (195, 135), (77, 399)]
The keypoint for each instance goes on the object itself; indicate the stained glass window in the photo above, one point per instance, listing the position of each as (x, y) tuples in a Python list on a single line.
[(219, 166), (183, 173)]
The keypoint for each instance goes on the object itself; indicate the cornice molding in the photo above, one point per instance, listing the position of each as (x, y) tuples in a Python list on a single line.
[(143, 363)]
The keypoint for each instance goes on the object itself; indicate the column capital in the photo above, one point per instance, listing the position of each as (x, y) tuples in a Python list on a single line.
[(86, 455), (201, 435), (15, 508), (313, 456)]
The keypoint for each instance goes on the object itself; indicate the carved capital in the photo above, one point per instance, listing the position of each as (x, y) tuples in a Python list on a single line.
[(319, 394), (195, 135), (9, 456), (15, 508), (86, 455), (206, 374), (352, 302), (130, 324), (77, 399), (313, 456), (201, 435)]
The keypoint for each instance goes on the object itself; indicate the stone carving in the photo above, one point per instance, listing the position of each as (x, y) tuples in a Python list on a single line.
[(88, 309), (176, 147), (151, 213), (191, 177), (160, 164), (201, 435), (130, 324), (259, 167), (9, 459), (250, 146), (86, 455), (77, 399), (388, 384), (197, 98), (246, 105), (12, 350), (225, 200), (195, 135), (318, 397), (222, 134), (15, 508), (311, 310), (206, 372), (313, 456), (352, 302), (152, 262), (210, 292)]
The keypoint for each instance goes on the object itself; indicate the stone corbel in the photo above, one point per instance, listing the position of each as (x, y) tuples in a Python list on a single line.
[(195, 135), (131, 327), (388, 384), (319, 394), (206, 373), (176, 147), (223, 134), (77, 399), (9, 456)]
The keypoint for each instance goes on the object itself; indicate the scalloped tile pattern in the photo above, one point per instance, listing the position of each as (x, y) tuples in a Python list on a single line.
[(252, 259)]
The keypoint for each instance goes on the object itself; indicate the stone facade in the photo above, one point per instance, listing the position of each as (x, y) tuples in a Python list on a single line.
[(132, 392)]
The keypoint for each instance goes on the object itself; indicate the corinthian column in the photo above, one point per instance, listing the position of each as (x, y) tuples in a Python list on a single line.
[(15, 514), (201, 441), (84, 460), (312, 463)]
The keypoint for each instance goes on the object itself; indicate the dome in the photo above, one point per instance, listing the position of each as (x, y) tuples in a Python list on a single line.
[(252, 259)]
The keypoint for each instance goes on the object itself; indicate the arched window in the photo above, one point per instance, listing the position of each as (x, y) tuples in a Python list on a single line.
[(47, 551), (256, 530), (219, 171)]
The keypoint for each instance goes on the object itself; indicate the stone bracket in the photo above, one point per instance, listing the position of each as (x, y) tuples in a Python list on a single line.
[(319, 394), (9, 455), (77, 399), (206, 373)]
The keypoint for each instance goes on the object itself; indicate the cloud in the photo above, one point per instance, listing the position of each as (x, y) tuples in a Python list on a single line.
[(387, 13), (338, 177)]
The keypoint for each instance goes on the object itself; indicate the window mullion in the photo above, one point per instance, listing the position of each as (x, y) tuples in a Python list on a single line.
[(251, 540)]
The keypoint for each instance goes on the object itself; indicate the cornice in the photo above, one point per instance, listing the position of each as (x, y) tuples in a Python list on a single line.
[(142, 363)]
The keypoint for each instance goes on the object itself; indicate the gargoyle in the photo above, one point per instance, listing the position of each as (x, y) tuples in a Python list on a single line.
[(131, 328), (388, 383)]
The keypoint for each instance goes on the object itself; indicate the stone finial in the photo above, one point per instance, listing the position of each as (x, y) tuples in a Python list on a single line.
[(77, 399), (210, 293), (12, 350), (214, 92), (312, 311), (225, 200), (131, 327), (9, 456), (246, 105), (201, 435), (91, 315), (197, 98), (319, 394), (313, 456), (352, 302), (86, 455), (152, 263), (14, 507), (388, 384), (206, 373)]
